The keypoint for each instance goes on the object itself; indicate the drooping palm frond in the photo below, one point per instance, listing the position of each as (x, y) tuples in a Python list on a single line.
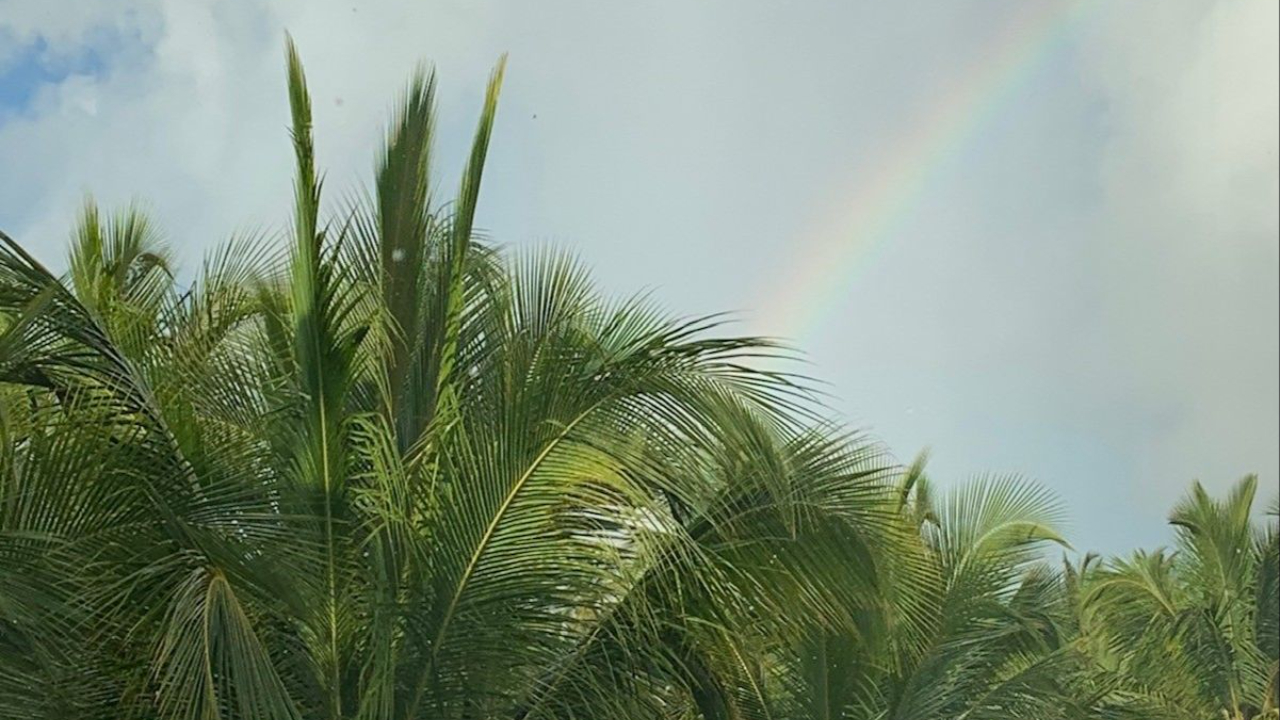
[(967, 623)]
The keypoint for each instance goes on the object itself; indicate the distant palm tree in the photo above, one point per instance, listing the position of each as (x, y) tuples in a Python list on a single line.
[(1189, 634), (968, 624), (391, 474)]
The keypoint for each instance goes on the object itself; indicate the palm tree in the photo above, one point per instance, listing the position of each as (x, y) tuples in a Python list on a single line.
[(965, 622), (1189, 633), (385, 472)]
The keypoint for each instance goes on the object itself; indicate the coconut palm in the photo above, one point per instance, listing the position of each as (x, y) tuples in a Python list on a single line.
[(966, 624), (381, 471), (1189, 633)]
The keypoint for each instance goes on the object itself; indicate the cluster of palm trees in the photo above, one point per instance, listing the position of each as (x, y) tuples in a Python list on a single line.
[(382, 471)]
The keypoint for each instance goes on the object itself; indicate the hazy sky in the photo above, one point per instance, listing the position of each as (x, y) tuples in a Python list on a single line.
[(1036, 236)]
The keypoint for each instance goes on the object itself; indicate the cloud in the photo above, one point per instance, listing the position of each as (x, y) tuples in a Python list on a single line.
[(64, 29), (1088, 296), (1190, 233), (190, 115)]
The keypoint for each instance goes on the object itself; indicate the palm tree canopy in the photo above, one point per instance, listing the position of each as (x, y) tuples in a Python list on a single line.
[(388, 473), (376, 469)]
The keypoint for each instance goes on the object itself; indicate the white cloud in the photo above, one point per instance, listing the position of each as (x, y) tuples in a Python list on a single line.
[(66, 28), (1191, 230), (191, 118), (690, 146)]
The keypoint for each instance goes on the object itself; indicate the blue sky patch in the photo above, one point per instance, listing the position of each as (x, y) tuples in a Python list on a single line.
[(35, 66)]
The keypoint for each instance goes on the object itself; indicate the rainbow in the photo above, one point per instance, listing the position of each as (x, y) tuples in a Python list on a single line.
[(874, 207)]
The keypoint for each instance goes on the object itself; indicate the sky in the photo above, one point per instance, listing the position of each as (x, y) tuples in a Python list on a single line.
[(1036, 237)]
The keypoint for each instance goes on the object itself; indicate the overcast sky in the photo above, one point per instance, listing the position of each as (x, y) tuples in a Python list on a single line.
[(1079, 283)]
